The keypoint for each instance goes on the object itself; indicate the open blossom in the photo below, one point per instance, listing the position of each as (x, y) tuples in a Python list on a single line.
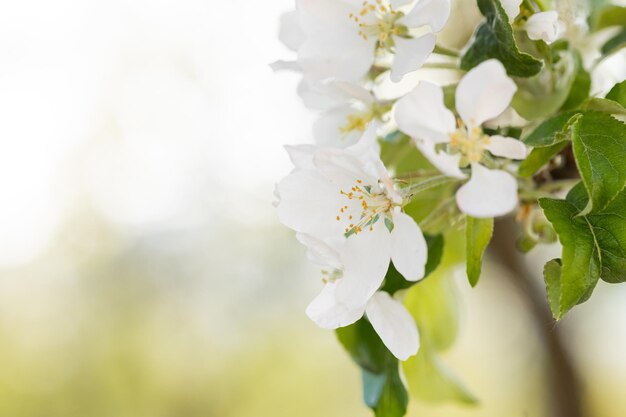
[(483, 94), (347, 194), (346, 109), (343, 37), (389, 317)]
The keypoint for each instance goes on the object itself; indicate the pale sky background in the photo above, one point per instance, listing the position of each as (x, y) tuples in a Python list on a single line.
[(146, 106)]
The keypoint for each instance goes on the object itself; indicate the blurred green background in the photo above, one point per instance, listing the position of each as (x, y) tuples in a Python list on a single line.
[(143, 272)]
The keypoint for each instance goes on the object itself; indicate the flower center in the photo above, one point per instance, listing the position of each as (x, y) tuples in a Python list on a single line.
[(357, 122), (470, 143), (377, 19), (364, 208), (331, 275)]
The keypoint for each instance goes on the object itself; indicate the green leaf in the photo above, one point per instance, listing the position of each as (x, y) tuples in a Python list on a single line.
[(552, 276), (383, 390), (494, 39), (402, 156), (477, 236), (433, 302), (581, 86), (603, 105), (618, 93), (608, 16), (599, 143), (539, 157), (580, 258), (614, 44), (429, 380), (552, 131), (608, 228), (364, 346), (394, 281), (594, 247)]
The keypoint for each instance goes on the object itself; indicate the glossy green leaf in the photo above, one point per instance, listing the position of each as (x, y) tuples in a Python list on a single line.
[(383, 390), (494, 39), (580, 257), (594, 246), (608, 228), (539, 157), (551, 131), (599, 143), (618, 93), (478, 234)]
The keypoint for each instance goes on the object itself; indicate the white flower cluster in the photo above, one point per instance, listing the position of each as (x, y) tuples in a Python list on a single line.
[(344, 204)]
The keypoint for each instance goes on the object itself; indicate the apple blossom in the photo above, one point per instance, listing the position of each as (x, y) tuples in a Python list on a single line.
[(347, 194), (483, 94), (343, 37), (347, 110), (388, 317)]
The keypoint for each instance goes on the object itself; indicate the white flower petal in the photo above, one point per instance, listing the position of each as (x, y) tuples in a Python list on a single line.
[(309, 204), (422, 114), (301, 155), (320, 252), (327, 313), (394, 325), (511, 7), (489, 193), (432, 13), (367, 144), (484, 93), (409, 252), (314, 95), (346, 91), (411, 55), (507, 147), (344, 168), (290, 33), (396, 4), (365, 258), (544, 26), (328, 128), (443, 161), (332, 48)]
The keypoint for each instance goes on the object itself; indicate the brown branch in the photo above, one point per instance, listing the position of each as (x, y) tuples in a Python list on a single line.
[(563, 384)]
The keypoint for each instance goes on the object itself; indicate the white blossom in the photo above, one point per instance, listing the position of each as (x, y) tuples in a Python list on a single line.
[(388, 317), (343, 37), (483, 94), (347, 194)]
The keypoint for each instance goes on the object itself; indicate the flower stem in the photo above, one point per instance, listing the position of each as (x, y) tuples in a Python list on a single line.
[(541, 5), (446, 51), (441, 65), (410, 191)]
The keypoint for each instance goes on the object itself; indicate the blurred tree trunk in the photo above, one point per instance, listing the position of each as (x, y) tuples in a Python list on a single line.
[(564, 393)]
